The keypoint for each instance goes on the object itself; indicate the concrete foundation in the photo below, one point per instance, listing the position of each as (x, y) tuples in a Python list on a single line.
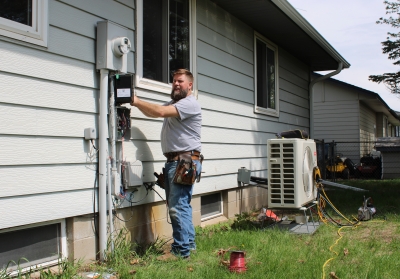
[(82, 243), (148, 222)]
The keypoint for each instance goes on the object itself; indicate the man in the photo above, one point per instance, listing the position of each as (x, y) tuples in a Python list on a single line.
[(180, 135)]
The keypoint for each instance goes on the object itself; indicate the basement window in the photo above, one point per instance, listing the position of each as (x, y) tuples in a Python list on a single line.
[(211, 206), (25, 20), (32, 246), (266, 76)]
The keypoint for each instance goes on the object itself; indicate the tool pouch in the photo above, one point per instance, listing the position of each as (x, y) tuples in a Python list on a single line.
[(185, 170)]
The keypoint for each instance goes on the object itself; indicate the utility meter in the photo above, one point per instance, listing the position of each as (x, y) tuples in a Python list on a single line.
[(113, 46), (121, 46)]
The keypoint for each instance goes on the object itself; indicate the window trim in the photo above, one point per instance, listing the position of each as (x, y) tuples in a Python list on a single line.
[(36, 34), (144, 83), (63, 238), (271, 45)]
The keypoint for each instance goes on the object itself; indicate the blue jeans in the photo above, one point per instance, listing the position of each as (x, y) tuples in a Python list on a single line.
[(180, 211)]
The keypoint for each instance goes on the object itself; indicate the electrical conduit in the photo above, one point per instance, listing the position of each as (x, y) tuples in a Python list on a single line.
[(103, 154), (113, 158)]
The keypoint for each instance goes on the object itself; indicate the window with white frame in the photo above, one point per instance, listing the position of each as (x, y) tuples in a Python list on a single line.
[(211, 206), (266, 76), (164, 40), (40, 244), (25, 20)]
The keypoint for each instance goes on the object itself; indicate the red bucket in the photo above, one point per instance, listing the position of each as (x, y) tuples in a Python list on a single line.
[(237, 262)]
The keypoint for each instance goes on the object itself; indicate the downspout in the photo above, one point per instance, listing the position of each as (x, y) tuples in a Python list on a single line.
[(311, 92), (103, 154)]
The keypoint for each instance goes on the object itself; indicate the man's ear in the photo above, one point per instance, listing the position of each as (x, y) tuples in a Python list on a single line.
[(191, 85)]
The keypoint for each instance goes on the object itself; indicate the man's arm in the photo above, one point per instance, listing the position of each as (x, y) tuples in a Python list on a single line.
[(154, 110)]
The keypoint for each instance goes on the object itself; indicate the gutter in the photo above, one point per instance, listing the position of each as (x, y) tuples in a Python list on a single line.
[(311, 94)]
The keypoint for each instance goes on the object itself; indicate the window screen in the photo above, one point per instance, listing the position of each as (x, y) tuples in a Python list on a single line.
[(210, 205), (37, 245), (17, 10)]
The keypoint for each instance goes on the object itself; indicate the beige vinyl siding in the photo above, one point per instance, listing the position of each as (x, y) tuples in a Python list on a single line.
[(336, 113), (367, 129), (49, 96)]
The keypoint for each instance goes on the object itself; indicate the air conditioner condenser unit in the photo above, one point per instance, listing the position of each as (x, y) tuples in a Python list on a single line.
[(291, 163)]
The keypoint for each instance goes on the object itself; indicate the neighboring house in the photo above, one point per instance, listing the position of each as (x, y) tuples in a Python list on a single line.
[(347, 113), (252, 62)]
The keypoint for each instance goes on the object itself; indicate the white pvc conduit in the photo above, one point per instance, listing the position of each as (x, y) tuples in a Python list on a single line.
[(103, 154)]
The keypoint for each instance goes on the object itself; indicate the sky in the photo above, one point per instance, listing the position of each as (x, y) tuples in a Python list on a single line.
[(350, 28)]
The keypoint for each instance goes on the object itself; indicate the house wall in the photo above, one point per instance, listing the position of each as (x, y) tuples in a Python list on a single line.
[(367, 129), (336, 113), (231, 129), (50, 95), (337, 116), (367, 124), (391, 168), (379, 125)]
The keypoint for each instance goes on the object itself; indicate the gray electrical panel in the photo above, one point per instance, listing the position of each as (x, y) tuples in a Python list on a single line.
[(244, 175), (132, 174)]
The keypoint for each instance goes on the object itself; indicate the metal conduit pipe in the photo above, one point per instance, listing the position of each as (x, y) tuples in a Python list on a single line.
[(311, 92), (103, 154)]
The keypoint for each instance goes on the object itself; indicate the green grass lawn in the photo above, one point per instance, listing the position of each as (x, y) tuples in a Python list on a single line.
[(371, 249)]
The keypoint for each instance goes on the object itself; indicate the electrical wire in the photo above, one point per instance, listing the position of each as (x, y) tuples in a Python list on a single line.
[(323, 202), (91, 156), (331, 204), (95, 191), (131, 195), (115, 206), (330, 249), (151, 188)]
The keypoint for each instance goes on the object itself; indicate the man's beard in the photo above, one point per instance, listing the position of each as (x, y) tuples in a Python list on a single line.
[(178, 96)]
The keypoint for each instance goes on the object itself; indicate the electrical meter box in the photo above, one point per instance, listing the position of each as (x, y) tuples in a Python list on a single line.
[(113, 45), (123, 88)]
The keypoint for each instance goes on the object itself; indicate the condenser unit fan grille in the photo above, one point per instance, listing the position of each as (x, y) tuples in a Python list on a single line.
[(282, 181)]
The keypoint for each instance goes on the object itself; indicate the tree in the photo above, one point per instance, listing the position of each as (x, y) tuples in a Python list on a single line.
[(391, 47)]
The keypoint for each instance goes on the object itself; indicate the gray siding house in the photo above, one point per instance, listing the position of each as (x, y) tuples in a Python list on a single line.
[(252, 62), (347, 113)]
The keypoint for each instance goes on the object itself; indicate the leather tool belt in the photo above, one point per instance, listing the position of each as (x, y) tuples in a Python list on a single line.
[(174, 156)]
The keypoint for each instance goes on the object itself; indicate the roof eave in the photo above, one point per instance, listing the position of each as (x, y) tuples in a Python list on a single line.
[(309, 29)]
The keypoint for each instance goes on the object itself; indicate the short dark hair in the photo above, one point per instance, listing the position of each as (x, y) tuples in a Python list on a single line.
[(183, 72)]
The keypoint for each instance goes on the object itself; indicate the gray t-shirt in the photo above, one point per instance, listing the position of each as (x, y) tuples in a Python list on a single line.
[(182, 133)]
